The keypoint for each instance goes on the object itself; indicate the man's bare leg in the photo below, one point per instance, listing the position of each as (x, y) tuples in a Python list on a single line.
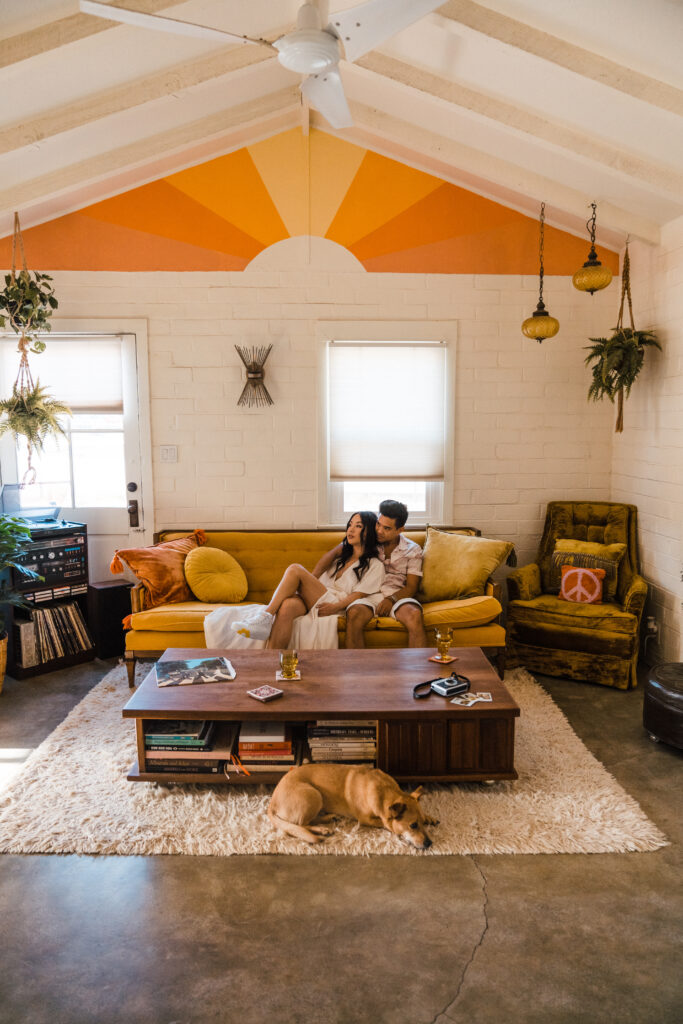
[(357, 618), (281, 633), (410, 616)]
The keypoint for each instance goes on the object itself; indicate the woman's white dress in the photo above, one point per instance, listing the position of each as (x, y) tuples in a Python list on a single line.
[(311, 632)]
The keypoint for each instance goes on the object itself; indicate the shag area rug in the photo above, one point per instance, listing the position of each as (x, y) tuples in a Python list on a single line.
[(72, 797)]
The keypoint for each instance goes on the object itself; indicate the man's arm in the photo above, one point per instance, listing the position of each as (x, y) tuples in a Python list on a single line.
[(326, 561), (409, 589)]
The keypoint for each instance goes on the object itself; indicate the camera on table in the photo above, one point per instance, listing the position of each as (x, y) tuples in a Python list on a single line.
[(451, 685)]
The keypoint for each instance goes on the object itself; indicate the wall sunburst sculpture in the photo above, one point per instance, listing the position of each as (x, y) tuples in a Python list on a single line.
[(255, 391)]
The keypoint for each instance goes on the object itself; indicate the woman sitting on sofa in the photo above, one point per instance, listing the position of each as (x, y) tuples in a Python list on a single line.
[(304, 607)]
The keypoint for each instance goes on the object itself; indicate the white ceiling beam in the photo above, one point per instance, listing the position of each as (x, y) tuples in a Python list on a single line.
[(497, 179), (566, 55), (54, 34), (133, 94), (628, 165), (270, 108)]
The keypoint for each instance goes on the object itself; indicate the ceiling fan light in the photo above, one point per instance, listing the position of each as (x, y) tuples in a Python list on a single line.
[(308, 51), (592, 277)]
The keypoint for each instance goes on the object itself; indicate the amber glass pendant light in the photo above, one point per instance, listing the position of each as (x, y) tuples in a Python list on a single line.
[(540, 325), (592, 277)]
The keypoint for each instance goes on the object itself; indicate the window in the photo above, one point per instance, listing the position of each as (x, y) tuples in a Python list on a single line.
[(86, 468), (388, 408)]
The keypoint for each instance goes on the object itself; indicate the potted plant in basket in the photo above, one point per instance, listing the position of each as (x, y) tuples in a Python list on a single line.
[(618, 360), (15, 535)]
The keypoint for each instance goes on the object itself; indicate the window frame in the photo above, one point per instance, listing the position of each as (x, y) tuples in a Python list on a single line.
[(439, 497)]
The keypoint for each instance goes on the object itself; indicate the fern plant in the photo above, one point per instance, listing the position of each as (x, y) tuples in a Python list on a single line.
[(617, 361), (15, 536), (31, 413), (26, 304)]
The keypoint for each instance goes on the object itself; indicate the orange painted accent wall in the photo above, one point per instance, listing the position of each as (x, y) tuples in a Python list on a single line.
[(220, 214)]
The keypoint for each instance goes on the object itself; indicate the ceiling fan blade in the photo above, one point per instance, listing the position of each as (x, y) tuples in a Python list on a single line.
[(368, 25), (325, 92), (157, 21)]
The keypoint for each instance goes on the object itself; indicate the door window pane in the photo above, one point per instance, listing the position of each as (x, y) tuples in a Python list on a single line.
[(98, 470)]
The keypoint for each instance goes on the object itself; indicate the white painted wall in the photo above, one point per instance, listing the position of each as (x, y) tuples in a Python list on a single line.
[(524, 432), (647, 461)]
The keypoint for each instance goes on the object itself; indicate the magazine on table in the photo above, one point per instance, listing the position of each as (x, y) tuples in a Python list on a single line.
[(194, 670)]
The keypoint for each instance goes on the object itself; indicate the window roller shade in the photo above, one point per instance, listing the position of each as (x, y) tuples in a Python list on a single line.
[(386, 411)]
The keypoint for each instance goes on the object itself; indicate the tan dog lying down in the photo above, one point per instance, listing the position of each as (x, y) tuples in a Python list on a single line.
[(307, 796)]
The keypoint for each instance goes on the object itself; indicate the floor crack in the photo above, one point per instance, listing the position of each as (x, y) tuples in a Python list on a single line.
[(478, 944)]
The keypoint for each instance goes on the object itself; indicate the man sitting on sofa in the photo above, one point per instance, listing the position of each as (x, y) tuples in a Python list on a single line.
[(403, 571)]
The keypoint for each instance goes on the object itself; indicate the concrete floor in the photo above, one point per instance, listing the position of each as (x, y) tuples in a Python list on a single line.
[(497, 939)]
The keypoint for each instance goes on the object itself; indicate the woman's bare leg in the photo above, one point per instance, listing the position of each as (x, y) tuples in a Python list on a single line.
[(296, 581), (281, 634)]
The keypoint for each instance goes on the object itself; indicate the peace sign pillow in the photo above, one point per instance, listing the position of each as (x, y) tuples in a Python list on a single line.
[(583, 586)]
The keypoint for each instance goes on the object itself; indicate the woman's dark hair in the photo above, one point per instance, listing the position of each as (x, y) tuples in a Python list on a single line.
[(369, 538)]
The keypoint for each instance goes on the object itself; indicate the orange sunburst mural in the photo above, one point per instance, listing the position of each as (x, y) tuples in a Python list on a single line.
[(222, 213)]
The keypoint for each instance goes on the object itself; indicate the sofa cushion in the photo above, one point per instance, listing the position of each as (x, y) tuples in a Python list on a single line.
[(457, 566), (215, 576), (185, 617), (587, 555), (160, 568)]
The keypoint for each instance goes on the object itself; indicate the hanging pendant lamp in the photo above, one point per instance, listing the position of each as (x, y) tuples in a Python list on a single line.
[(540, 325), (592, 277)]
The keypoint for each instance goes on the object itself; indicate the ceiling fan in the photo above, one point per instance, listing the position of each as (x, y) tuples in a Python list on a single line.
[(309, 49)]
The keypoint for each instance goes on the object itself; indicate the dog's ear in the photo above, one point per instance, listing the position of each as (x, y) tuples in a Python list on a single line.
[(397, 810), (417, 793)]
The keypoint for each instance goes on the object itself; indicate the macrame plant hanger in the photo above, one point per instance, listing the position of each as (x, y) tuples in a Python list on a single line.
[(625, 294), (24, 382)]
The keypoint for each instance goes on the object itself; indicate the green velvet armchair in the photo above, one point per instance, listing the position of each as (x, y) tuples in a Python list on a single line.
[(595, 643)]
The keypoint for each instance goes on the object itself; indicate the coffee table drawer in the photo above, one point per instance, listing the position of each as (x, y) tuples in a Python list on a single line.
[(448, 750)]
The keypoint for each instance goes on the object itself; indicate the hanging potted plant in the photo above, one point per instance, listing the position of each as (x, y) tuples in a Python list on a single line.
[(15, 536), (26, 305), (617, 360)]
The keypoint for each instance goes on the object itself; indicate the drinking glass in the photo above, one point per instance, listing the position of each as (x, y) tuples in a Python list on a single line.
[(443, 639), (289, 661)]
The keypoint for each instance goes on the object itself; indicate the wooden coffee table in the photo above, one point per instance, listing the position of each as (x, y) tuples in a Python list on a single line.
[(428, 740)]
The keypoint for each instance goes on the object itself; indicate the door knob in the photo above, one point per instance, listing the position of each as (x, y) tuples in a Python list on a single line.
[(133, 514)]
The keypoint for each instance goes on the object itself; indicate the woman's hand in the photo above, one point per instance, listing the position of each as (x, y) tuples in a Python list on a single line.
[(329, 608)]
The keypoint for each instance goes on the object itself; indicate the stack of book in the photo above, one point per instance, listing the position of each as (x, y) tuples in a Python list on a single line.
[(184, 746), (267, 747), (343, 740), (53, 632)]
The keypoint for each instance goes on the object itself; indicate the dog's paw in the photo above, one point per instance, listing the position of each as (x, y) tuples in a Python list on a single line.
[(320, 830), (432, 821)]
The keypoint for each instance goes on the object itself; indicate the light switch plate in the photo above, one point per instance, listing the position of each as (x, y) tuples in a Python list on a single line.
[(168, 453)]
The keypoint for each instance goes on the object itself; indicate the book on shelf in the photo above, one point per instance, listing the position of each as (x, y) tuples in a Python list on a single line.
[(188, 769), (25, 644), (176, 739), (344, 730), (194, 670), (336, 722), (267, 764), (220, 749), (262, 731)]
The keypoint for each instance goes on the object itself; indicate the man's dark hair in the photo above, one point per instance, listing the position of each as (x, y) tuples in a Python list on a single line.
[(395, 510)]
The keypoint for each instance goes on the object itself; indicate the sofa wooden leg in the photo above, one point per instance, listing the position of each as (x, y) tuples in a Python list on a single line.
[(500, 662), (130, 668)]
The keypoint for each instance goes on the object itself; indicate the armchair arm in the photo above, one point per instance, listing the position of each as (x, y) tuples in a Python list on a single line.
[(634, 602), (524, 584), (136, 596)]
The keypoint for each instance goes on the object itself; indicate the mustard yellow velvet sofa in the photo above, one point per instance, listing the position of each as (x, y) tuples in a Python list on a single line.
[(264, 555), (597, 643)]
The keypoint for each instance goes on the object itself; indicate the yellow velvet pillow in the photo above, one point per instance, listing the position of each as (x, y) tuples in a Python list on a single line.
[(160, 568), (215, 576), (457, 566)]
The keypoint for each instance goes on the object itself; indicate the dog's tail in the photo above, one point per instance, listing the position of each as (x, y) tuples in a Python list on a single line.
[(291, 829)]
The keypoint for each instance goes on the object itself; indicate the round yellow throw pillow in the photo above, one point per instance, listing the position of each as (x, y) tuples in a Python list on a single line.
[(215, 577)]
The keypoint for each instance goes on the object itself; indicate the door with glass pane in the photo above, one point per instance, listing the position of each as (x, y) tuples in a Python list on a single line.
[(93, 473)]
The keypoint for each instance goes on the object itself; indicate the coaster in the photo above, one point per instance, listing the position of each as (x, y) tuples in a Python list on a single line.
[(286, 679), (443, 661)]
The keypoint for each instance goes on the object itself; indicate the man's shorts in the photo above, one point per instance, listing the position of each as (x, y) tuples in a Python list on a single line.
[(373, 600)]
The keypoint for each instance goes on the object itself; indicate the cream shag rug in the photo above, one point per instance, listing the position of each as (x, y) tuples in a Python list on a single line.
[(72, 797)]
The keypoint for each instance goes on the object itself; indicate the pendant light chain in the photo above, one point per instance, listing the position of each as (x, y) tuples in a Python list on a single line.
[(541, 246)]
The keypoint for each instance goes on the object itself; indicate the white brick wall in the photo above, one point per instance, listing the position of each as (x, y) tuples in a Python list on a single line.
[(647, 460), (524, 431)]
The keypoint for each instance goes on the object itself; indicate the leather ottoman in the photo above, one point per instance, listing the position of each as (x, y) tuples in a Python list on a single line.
[(663, 704)]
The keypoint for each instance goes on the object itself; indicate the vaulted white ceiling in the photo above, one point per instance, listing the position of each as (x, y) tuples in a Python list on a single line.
[(520, 100)]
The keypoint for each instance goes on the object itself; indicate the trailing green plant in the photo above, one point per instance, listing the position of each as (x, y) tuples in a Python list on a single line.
[(31, 413), (15, 536), (27, 301), (617, 360)]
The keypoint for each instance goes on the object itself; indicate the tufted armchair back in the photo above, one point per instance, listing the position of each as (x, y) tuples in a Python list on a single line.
[(602, 522)]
